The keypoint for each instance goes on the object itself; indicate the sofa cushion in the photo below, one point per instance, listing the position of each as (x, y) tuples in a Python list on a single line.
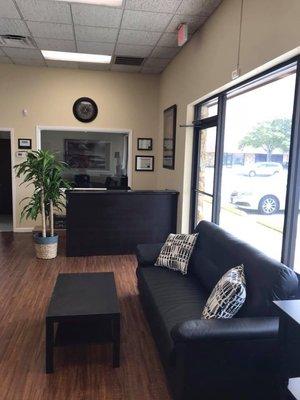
[(169, 298), (228, 295), (204, 269), (266, 278), (176, 252)]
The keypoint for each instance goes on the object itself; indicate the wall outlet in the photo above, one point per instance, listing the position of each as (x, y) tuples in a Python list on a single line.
[(235, 73), (21, 154)]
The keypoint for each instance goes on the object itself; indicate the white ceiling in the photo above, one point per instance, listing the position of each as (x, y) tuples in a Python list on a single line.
[(140, 28)]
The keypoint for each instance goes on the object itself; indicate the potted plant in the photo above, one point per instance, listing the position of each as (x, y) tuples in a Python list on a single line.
[(44, 172)]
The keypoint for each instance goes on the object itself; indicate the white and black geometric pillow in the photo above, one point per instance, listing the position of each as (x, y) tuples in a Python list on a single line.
[(228, 295), (176, 252)]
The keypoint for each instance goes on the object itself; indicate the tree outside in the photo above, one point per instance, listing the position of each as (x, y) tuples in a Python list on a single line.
[(270, 136)]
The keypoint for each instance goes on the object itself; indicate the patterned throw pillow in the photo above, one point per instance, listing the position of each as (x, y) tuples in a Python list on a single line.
[(176, 252), (228, 295)]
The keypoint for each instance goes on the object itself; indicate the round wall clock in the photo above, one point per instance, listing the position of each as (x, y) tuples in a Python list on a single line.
[(85, 109)]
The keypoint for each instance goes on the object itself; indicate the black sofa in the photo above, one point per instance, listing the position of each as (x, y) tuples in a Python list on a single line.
[(216, 359)]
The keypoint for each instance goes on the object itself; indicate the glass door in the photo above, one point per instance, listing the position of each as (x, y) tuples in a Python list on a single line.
[(205, 174)]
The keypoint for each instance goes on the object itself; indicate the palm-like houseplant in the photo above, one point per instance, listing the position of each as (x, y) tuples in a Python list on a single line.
[(44, 172)]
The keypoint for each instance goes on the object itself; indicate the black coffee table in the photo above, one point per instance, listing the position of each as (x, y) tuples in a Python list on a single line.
[(84, 308)]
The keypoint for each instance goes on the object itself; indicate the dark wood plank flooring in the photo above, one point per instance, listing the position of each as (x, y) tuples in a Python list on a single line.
[(81, 373)]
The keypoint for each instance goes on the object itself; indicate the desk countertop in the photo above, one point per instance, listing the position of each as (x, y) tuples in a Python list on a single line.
[(94, 191)]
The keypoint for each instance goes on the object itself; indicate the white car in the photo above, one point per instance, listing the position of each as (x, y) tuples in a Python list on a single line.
[(266, 197), (262, 169)]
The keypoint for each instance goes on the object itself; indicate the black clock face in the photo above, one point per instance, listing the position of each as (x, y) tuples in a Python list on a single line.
[(85, 109)]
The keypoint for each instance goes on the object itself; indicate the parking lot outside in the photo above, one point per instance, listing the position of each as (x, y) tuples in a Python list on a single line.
[(265, 232)]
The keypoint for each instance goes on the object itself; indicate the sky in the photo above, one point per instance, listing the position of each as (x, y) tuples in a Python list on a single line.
[(244, 112)]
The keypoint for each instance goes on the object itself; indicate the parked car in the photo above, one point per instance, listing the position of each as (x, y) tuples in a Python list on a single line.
[(266, 197), (263, 169)]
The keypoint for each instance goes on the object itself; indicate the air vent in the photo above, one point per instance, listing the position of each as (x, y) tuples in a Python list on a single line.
[(23, 42), (121, 60)]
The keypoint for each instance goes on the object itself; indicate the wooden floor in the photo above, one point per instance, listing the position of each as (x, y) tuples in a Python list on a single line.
[(81, 373)]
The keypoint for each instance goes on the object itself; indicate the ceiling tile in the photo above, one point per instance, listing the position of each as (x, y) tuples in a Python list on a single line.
[(23, 53), (61, 64), (193, 21), (165, 52), (28, 61), (45, 11), (133, 51), (156, 62), (8, 9), (145, 21), (5, 60), (55, 44), (51, 30), (96, 48), (13, 27), (126, 68), (169, 6), (94, 67), (138, 37), (93, 34), (84, 14), (191, 7), (168, 40)]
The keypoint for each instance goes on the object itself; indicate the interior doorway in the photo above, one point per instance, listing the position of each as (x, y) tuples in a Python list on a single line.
[(6, 200)]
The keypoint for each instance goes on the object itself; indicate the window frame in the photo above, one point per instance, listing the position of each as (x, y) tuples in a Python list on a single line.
[(293, 190)]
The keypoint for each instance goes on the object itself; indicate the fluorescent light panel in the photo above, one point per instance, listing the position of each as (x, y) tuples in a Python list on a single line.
[(110, 3), (77, 57)]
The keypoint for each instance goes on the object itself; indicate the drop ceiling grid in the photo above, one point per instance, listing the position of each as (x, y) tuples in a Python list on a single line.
[(139, 28)]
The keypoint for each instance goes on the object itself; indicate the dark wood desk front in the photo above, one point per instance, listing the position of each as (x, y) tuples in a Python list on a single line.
[(114, 222)]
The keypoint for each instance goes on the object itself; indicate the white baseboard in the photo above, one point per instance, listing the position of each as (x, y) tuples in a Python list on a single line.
[(23, 230)]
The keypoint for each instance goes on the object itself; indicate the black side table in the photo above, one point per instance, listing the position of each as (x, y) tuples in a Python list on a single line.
[(289, 340)]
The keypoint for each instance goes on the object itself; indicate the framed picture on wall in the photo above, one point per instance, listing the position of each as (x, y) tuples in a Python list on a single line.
[(144, 163), (87, 154), (169, 137), (145, 144), (24, 144)]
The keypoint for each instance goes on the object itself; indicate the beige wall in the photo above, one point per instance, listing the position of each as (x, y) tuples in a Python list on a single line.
[(269, 29), (125, 101)]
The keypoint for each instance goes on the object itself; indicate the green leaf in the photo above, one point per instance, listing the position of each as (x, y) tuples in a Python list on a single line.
[(44, 173)]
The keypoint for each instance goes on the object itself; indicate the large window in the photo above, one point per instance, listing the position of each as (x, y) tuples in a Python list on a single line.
[(244, 160), (257, 134)]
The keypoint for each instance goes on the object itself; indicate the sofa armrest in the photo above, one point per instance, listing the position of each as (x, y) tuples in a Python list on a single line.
[(242, 350), (227, 329), (147, 253)]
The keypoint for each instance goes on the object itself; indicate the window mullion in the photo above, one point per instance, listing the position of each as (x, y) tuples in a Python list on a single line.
[(219, 159), (293, 189), (193, 200)]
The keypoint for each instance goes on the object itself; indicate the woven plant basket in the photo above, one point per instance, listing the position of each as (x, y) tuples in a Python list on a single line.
[(46, 251), (45, 247)]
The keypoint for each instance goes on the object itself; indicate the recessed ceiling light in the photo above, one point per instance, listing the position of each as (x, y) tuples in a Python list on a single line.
[(110, 3), (77, 57)]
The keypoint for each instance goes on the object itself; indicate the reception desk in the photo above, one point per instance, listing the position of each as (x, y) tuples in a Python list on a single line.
[(115, 221)]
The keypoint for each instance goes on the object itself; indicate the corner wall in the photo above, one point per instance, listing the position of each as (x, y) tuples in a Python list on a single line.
[(269, 29)]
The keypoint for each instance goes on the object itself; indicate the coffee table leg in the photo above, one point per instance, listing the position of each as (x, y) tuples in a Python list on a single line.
[(49, 345), (116, 342)]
